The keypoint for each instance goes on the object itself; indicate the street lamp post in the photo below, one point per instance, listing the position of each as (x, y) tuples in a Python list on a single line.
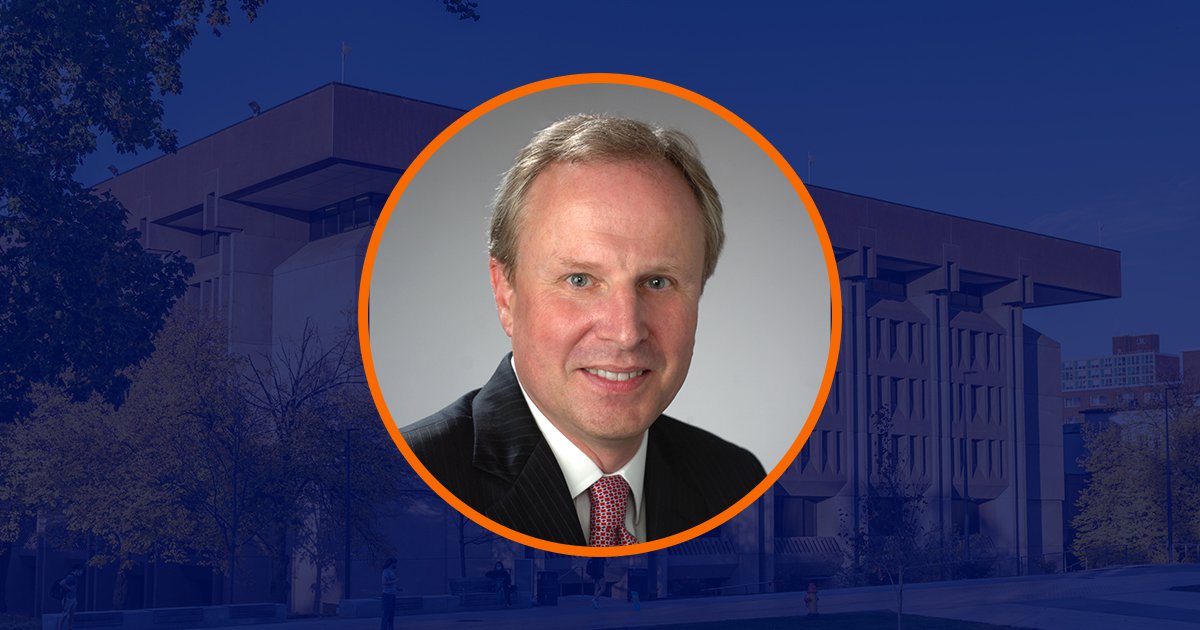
[(966, 471), (1167, 447), (346, 581), (966, 499)]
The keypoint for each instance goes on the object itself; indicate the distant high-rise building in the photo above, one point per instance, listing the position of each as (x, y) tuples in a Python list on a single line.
[(1191, 370), (1130, 377)]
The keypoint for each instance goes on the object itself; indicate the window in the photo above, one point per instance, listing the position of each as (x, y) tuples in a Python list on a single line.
[(795, 516), (886, 289), (835, 392), (965, 301), (362, 211), (210, 243), (343, 216), (329, 218)]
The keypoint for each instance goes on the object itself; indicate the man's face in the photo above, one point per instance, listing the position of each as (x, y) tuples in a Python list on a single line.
[(602, 307)]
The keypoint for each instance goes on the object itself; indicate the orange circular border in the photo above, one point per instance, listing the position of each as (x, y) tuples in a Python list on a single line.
[(588, 79)]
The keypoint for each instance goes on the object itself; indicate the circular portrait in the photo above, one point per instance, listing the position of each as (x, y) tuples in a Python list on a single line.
[(597, 315)]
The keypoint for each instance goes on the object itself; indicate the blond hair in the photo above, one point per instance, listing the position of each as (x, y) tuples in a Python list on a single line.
[(590, 138)]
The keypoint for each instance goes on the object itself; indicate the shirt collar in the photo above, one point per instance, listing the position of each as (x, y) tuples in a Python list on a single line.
[(579, 471)]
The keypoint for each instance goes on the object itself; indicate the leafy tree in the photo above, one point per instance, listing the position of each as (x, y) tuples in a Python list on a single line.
[(85, 471), (79, 298), (179, 471), (219, 461), (211, 456), (1122, 511), (464, 9)]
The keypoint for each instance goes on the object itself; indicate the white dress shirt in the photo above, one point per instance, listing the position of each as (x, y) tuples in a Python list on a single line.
[(580, 472)]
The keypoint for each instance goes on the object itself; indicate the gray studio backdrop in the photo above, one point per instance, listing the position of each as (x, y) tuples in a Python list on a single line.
[(764, 323)]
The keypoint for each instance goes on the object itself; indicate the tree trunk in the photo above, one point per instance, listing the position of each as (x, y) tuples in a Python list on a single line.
[(281, 581), (5, 554), (231, 577), (462, 558), (462, 546), (900, 600), (317, 594), (121, 582)]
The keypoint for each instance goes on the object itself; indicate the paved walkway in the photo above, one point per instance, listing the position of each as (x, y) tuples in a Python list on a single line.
[(1119, 598)]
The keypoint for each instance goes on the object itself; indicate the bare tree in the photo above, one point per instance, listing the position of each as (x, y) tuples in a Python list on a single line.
[(466, 538), (894, 539), (342, 469)]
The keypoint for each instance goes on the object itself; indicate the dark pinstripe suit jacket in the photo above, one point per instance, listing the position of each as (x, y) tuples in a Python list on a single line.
[(487, 450)]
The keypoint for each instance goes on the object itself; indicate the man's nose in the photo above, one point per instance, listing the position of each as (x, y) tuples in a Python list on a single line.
[(622, 318)]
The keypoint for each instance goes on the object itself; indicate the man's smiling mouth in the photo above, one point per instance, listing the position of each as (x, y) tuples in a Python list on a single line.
[(615, 376)]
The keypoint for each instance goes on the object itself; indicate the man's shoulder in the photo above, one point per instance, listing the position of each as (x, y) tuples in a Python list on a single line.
[(454, 414), (697, 453), (486, 449), (442, 433), (682, 437)]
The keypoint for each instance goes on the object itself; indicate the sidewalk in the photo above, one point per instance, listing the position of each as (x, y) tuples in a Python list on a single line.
[(1115, 599)]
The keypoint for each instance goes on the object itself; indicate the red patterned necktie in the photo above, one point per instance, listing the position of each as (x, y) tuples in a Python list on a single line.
[(609, 497)]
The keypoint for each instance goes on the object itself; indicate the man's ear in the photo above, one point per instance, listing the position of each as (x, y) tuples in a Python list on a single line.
[(502, 289)]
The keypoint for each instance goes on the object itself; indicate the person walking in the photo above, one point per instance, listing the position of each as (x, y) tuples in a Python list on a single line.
[(69, 586), (502, 581), (388, 581), (595, 570)]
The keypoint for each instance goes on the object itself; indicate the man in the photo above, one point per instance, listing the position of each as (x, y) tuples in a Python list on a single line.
[(70, 599), (595, 570), (387, 597), (602, 236)]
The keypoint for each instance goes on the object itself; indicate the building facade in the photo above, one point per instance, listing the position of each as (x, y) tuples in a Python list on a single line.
[(1131, 377), (934, 336), (933, 333)]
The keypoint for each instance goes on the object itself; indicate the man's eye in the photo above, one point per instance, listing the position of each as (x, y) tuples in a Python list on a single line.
[(658, 283), (578, 280)]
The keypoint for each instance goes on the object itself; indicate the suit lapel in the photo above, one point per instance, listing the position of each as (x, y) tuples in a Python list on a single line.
[(509, 445)]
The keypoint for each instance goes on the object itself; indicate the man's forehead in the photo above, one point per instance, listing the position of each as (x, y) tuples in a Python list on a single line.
[(595, 179), (584, 263)]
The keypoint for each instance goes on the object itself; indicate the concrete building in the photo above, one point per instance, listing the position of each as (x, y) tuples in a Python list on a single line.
[(1191, 370), (934, 331), (272, 217), (276, 211)]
